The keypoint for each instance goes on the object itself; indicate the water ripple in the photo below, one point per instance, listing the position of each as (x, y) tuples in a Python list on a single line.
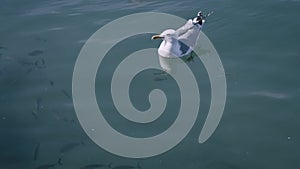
[(270, 94)]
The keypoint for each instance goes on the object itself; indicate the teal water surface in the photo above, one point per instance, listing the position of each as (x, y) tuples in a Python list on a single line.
[(258, 42)]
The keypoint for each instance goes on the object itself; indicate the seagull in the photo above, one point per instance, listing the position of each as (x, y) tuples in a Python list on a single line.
[(181, 42)]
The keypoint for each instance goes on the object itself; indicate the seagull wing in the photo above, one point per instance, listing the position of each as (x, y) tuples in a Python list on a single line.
[(189, 33), (186, 27)]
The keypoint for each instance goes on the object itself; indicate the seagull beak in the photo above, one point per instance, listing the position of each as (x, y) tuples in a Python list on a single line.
[(156, 37)]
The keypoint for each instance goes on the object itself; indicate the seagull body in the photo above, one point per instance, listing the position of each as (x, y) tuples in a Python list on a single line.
[(180, 42)]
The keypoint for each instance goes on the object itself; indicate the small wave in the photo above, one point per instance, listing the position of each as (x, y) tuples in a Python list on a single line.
[(269, 94), (77, 7), (56, 29)]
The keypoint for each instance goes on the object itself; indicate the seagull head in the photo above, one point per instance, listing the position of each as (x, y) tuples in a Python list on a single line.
[(167, 33)]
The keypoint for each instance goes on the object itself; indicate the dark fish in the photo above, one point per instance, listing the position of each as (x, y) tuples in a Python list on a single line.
[(36, 53), (39, 63), (69, 147), (66, 94), (160, 76), (161, 73), (93, 166), (2, 47), (37, 110), (35, 115), (51, 83), (59, 162), (36, 152), (157, 79)]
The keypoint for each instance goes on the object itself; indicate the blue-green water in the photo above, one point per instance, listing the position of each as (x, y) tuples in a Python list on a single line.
[(258, 42)]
